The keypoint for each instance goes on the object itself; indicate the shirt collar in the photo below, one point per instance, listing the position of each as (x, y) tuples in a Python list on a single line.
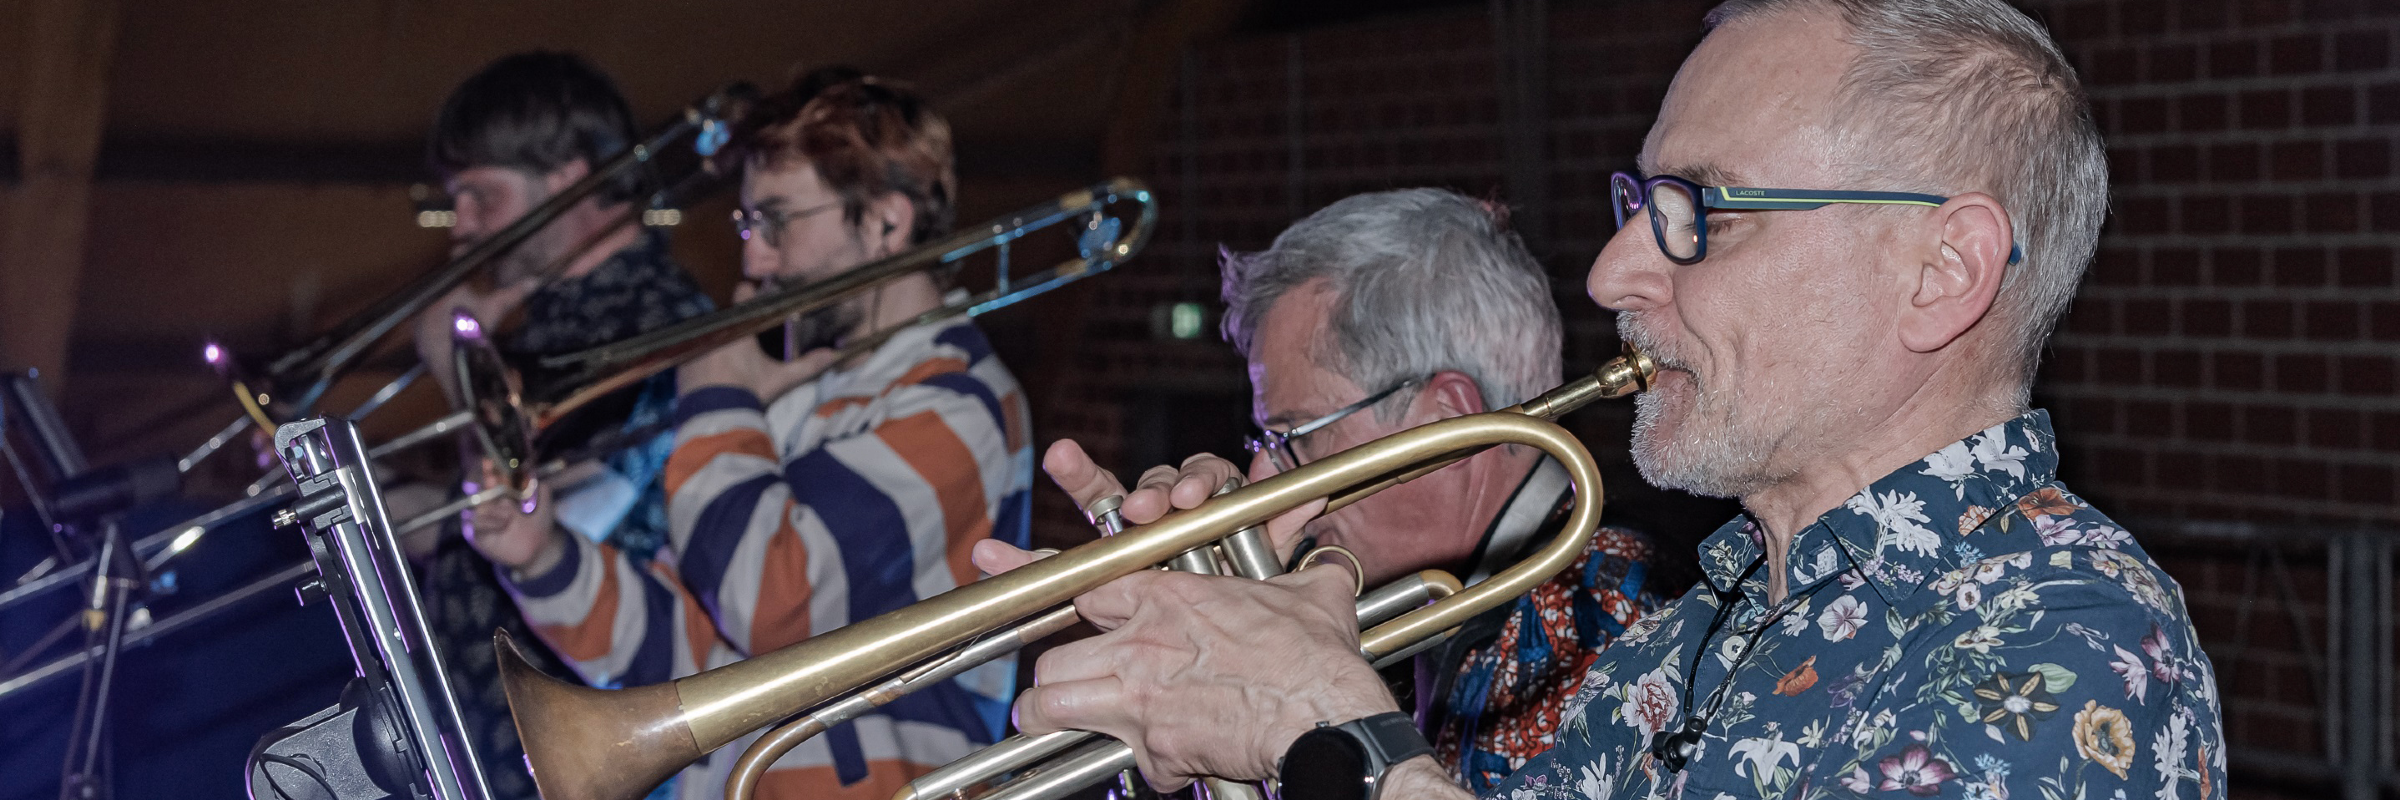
[(1901, 531)]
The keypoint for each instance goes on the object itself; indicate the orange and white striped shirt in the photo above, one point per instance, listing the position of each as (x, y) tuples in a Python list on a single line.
[(850, 496)]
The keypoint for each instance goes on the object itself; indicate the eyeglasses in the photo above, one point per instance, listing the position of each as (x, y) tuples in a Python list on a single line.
[(768, 224), (1677, 207), (1278, 445)]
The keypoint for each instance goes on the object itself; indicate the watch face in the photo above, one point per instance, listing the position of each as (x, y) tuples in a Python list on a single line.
[(1325, 764)]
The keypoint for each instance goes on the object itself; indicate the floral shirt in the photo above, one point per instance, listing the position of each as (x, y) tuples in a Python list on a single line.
[(1964, 627)]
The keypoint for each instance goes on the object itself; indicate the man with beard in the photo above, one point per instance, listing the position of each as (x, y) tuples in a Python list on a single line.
[(508, 139), (1861, 220), (1389, 310), (806, 494)]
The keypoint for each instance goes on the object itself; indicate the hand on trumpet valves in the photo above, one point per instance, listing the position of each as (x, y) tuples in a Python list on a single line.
[(1162, 488), (1203, 676), (741, 364), (518, 533), (438, 323)]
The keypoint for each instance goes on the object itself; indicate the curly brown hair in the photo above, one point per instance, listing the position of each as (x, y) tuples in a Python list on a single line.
[(866, 137)]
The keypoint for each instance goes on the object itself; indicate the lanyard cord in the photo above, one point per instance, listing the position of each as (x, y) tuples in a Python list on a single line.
[(1677, 747)]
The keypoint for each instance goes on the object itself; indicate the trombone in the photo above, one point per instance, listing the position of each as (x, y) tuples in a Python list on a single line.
[(592, 744), (505, 418)]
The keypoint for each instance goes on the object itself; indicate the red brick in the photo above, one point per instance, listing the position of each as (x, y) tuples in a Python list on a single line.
[(2363, 158), (2296, 161), (2205, 15), (2142, 17), (2078, 22), (2296, 55), (2208, 422), (2092, 415), (2332, 212), (2328, 105), (2335, 9), (2176, 266), (2364, 267), (2300, 266), (2304, 479), (2383, 321), (2144, 215), (2202, 112), (2336, 429), (2141, 115), (2238, 58), (2118, 367), (2238, 371), (2383, 213), (2383, 103), (2259, 13), (2124, 165), (2091, 315), (2111, 66), (2331, 321), (2361, 50), (2207, 318), (2268, 425), (2235, 266), (2148, 317), (2182, 470), (2383, 431), (2176, 368), (2364, 483), (2149, 418), (2267, 214), (2269, 109), (2302, 372), (2123, 465), (2366, 375), (2238, 161), (2206, 214), (2176, 163), (2266, 319)]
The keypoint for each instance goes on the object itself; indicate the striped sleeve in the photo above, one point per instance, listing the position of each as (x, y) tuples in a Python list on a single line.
[(776, 549), (616, 623)]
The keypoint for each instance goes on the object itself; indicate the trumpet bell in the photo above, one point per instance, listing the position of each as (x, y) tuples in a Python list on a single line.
[(603, 744)]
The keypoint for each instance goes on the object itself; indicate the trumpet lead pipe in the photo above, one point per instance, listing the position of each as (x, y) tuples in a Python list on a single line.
[(1015, 753), (1090, 764)]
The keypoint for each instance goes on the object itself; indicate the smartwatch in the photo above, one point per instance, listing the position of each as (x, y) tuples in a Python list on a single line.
[(1348, 761)]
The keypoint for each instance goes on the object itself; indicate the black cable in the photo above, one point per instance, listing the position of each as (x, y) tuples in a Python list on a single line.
[(299, 766)]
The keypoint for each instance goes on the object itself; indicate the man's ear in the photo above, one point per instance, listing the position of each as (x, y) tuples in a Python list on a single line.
[(565, 175), (1956, 281), (891, 220), (1451, 393)]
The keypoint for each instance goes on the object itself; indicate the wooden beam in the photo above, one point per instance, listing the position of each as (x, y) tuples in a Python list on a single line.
[(69, 45)]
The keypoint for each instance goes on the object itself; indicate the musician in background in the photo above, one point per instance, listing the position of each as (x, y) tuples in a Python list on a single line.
[(808, 494), (1380, 313), (508, 139)]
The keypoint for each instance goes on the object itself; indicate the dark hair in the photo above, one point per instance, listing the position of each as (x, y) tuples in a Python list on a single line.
[(536, 111), (866, 137)]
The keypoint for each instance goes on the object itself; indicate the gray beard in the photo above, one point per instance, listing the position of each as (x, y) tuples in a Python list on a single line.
[(1713, 452)]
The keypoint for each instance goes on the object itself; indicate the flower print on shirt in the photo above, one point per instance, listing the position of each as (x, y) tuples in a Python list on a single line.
[(1952, 669)]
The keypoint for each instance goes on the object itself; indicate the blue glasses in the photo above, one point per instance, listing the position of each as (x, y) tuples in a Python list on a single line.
[(1678, 207), (1278, 444)]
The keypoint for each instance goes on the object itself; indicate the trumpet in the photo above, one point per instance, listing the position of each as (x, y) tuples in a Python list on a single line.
[(591, 744)]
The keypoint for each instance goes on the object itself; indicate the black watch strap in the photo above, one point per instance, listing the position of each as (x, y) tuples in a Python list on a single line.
[(1349, 760)]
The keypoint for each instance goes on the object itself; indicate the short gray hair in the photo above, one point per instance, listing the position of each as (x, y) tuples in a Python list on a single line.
[(1425, 280), (1972, 95)]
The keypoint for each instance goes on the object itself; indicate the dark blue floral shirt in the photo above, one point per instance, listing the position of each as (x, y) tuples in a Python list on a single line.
[(1964, 627)]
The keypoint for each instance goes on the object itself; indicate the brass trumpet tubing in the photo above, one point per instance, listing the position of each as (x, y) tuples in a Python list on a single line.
[(1010, 755), (1017, 752), (1087, 765), (763, 753)]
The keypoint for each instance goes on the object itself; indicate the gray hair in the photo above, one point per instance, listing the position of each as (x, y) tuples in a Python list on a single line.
[(1426, 280), (1968, 95)]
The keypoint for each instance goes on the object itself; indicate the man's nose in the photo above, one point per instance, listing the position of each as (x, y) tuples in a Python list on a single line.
[(1630, 273), (759, 261)]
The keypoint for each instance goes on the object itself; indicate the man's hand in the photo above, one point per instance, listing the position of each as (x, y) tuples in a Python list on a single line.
[(1203, 676), (518, 534), (435, 325), (741, 364), (1162, 488)]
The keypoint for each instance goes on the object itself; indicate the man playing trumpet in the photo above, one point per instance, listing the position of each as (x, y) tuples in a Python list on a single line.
[(1911, 604), (807, 494), (1386, 311)]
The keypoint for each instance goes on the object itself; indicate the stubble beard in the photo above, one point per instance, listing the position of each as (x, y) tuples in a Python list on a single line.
[(1712, 448)]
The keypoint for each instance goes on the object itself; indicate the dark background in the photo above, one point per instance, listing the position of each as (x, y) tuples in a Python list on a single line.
[(2225, 382)]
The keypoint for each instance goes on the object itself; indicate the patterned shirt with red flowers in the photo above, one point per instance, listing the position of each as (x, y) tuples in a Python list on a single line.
[(1963, 627), (1504, 681)]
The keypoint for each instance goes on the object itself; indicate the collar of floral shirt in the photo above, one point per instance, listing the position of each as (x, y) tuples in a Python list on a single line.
[(1900, 532)]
